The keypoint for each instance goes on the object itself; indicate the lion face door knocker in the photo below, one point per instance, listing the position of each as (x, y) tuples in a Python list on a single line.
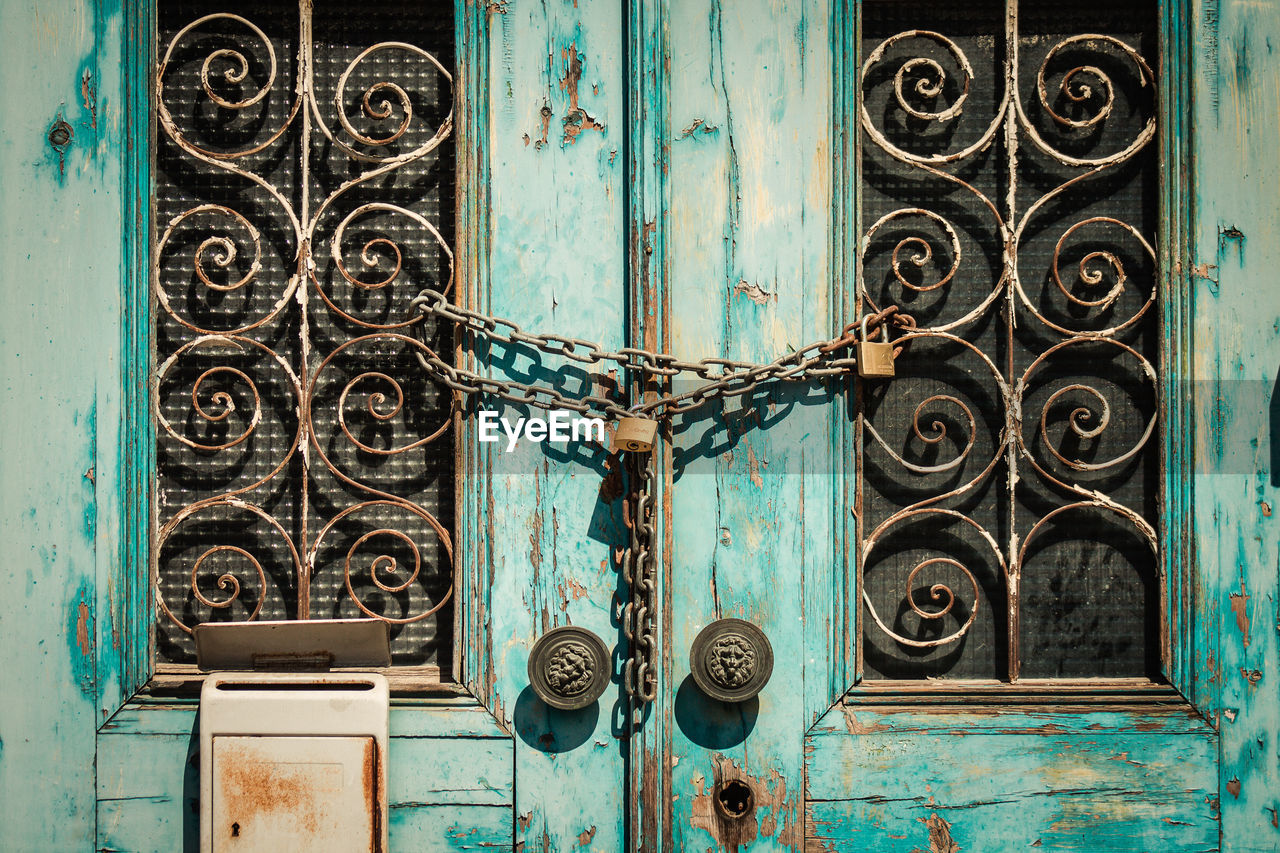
[(569, 668), (731, 660)]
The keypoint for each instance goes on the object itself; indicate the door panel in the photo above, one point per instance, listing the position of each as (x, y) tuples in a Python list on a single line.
[(450, 779), (59, 439), (1232, 263), (754, 499), (938, 781), (545, 520)]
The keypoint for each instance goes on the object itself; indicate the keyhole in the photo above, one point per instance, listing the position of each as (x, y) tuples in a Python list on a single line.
[(734, 799), (235, 830)]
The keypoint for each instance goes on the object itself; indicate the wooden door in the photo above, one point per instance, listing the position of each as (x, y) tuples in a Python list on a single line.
[(683, 177)]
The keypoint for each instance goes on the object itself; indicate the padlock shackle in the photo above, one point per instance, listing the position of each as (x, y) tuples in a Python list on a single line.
[(884, 328)]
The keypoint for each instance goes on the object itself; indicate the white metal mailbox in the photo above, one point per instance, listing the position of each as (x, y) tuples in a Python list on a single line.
[(293, 761)]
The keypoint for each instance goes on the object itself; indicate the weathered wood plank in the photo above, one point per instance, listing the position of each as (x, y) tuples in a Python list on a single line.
[(153, 766), (1236, 124), (448, 828), (1061, 820), (851, 720), (450, 792), (450, 771), (146, 825), (430, 720), (152, 825), (544, 520), (148, 792), (1103, 790), (753, 501), (60, 232), (409, 718)]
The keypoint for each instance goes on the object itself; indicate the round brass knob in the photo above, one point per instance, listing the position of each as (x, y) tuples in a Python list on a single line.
[(731, 660), (569, 667)]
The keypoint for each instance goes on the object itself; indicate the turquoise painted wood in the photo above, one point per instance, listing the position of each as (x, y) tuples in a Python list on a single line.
[(1236, 368), (60, 369), (1011, 779), (754, 492), (664, 173), (450, 778), (1057, 782), (547, 520)]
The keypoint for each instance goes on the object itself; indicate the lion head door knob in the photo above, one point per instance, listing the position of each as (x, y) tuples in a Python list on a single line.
[(569, 668), (731, 660)]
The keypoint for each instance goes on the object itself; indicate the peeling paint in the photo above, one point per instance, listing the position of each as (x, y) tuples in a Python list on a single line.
[(89, 96), (854, 727), (771, 807), (754, 292), (82, 628), (940, 840), (753, 468), (545, 114), (694, 126), (1240, 607), (576, 118)]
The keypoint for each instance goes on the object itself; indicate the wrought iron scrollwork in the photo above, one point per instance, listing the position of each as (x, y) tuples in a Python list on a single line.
[(1024, 404), (275, 379)]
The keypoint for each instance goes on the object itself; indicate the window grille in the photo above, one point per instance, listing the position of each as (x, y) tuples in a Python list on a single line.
[(1009, 497), (304, 192)]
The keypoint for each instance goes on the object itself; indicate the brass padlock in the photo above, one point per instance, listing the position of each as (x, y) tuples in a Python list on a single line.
[(635, 434), (875, 358)]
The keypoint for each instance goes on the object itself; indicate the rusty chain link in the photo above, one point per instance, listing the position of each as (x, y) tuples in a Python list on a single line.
[(725, 377), (639, 676)]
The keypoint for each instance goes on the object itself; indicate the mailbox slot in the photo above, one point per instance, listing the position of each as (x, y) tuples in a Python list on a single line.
[(293, 761)]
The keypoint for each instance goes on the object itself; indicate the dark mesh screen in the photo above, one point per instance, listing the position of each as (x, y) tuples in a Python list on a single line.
[(305, 460), (1009, 481)]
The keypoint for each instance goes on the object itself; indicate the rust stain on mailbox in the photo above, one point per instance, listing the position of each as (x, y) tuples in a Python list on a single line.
[(293, 761)]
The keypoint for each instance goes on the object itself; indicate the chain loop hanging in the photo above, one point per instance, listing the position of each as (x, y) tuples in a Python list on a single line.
[(725, 377), (639, 615)]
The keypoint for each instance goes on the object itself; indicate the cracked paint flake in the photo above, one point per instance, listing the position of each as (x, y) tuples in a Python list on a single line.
[(940, 840), (576, 118), (697, 124), (754, 292), (771, 808), (1240, 607), (753, 468)]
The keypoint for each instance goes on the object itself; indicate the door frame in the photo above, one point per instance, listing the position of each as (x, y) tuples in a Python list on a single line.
[(1198, 588)]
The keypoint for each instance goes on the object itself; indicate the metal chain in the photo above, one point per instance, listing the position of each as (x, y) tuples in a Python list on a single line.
[(725, 378), (639, 615)]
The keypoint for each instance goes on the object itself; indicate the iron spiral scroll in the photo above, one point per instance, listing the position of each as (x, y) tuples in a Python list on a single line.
[(290, 224), (994, 216)]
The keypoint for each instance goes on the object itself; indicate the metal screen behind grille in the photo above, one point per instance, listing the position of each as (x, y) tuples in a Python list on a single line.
[(1008, 496), (304, 193)]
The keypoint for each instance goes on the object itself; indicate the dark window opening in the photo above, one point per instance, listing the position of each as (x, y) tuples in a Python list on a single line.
[(1010, 481), (304, 193)]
